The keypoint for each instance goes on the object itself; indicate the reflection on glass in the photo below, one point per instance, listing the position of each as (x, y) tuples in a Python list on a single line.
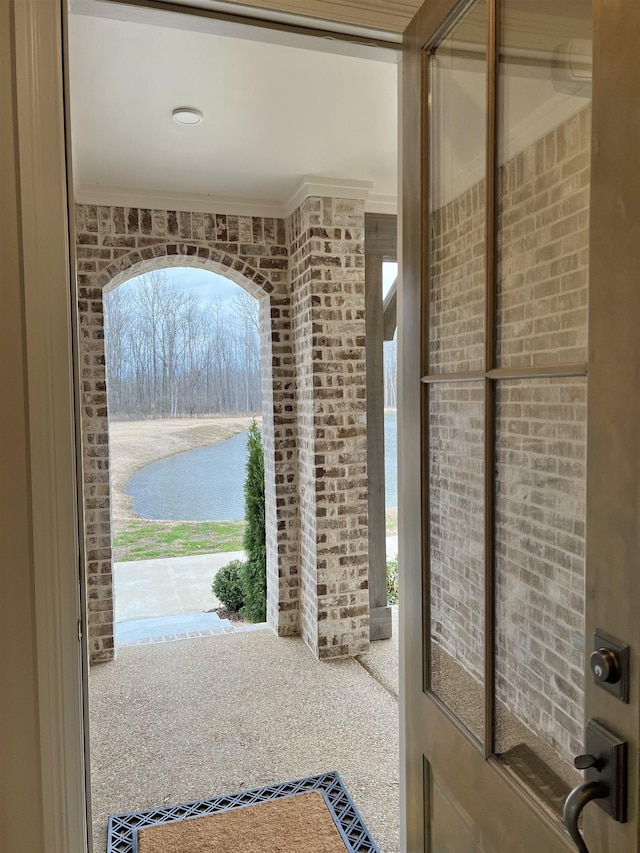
[(456, 486), (544, 89), (544, 121), (457, 141), (540, 577)]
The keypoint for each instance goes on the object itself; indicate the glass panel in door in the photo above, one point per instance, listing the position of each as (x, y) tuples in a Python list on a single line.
[(457, 285), (457, 576), (540, 520), (457, 190), (543, 141)]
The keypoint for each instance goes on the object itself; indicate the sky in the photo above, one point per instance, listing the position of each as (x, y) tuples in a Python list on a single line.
[(389, 273), (206, 285)]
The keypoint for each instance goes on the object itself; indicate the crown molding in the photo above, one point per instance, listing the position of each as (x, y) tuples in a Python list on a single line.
[(193, 202), (315, 185), (381, 203), (307, 186), (318, 186)]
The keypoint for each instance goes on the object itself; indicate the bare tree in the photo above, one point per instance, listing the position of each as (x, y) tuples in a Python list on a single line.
[(169, 354)]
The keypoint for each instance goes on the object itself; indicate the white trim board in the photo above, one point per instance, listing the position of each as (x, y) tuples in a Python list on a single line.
[(307, 186)]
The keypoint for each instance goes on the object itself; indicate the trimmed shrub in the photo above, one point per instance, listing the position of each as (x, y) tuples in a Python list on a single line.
[(254, 572), (392, 581), (227, 585)]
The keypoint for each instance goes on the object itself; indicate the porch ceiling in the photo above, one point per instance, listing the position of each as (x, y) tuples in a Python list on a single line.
[(392, 16), (273, 113)]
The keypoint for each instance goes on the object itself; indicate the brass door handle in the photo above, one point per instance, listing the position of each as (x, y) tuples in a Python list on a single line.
[(575, 802)]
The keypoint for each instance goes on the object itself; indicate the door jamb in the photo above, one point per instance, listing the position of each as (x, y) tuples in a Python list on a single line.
[(52, 451)]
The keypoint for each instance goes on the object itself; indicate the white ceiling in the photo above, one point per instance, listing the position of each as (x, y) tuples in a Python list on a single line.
[(272, 115)]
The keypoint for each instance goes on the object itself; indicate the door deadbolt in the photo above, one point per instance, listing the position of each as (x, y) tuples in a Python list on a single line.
[(605, 666), (609, 664)]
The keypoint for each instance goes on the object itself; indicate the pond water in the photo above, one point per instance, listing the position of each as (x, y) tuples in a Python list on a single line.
[(207, 484)]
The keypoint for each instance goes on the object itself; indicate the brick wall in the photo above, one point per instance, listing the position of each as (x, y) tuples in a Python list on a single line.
[(544, 249), (540, 443), (456, 436), (456, 452), (114, 244), (540, 511), (457, 284), (541, 434), (327, 258)]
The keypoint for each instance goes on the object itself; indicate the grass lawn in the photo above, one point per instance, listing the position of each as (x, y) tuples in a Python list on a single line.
[(151, 540)]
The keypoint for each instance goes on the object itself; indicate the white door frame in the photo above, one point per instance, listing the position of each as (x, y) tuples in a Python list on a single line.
[(47, 300)]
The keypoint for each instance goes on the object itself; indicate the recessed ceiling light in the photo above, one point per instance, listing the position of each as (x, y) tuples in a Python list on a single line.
[(187, 115)]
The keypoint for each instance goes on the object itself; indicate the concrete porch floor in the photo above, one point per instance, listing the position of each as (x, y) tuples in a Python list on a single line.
[(187, 720)]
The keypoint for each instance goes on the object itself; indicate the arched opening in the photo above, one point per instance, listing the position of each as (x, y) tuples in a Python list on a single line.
[(279, 438), (183, 373)]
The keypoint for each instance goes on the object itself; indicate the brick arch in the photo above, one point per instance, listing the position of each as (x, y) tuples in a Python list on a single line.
[(167, 255), (108, 254)]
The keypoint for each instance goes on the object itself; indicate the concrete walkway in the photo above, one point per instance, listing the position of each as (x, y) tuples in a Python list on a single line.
[(148, 589), (167, 628), (151, 594)]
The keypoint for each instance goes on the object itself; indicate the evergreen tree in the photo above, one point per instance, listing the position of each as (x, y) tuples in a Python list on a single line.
[(254, 574)]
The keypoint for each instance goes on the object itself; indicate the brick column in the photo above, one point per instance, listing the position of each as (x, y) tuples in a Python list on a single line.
[(95, 464), (328, 318)]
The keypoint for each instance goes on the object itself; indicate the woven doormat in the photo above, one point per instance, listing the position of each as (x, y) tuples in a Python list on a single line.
[(122, 833), (288, 825)]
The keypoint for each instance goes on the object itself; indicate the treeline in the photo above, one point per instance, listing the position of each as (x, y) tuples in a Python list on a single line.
[(170, 354)]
